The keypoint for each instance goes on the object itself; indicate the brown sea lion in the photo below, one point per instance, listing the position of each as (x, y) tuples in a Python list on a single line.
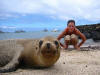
[(30, 52)]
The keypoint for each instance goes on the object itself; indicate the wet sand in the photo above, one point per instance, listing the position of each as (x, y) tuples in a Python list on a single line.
[(72, 62)]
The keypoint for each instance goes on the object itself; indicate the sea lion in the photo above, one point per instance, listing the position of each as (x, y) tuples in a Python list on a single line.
[(30, 52)]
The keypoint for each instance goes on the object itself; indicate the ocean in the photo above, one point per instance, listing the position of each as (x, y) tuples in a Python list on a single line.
[(27, 35), (37, 34)]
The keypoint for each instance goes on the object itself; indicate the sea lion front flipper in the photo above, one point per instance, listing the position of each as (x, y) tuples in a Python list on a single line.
[(13, 64)]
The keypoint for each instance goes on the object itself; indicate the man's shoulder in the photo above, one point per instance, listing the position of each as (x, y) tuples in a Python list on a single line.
[(77, 31)]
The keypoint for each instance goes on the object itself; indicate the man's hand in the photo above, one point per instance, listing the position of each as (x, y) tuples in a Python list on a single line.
[(77, 47)]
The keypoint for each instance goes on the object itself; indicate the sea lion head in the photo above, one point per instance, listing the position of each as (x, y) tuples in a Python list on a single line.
[(49, 46)]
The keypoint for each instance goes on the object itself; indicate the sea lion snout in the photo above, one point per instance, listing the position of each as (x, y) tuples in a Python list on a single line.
[(48, 45), (50, 48)]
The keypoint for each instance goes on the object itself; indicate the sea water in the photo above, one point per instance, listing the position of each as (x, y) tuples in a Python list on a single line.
[(35, 35), (27, 35)]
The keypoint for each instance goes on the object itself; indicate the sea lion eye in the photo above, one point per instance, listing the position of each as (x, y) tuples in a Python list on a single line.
[(40, 43), (56, 42)]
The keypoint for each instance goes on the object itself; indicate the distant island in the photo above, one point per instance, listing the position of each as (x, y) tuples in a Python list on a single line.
[(19, 31), (1, 31), (45, 30), (55, 30)]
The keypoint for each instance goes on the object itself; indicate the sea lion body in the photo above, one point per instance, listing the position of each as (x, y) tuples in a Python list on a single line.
[(32, 53)]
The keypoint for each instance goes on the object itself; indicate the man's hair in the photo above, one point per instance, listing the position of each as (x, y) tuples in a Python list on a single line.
[(70, 21)]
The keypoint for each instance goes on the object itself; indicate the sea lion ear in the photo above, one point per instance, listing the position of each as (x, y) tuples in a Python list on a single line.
[(40, 43)]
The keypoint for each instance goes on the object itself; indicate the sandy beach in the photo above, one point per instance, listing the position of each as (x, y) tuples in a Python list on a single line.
[(70, 22), (72, 62)]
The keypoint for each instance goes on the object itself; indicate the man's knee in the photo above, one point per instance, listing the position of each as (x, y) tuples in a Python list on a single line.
[(73, 36), (67, 37), (74, 39)]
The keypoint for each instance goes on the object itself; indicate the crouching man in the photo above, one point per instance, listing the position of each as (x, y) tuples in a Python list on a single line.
[(70, 35)]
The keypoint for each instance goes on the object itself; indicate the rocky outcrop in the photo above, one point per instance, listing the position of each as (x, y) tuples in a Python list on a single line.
[(1, 31), (45, 30), (90, 31)]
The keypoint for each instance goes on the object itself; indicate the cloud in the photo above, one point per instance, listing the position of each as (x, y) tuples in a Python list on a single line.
[(4, 16), (6, 27), (56, 9), (20, 6)]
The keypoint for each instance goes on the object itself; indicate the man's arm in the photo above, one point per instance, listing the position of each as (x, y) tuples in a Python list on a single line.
[(61, 35), (82, 37)]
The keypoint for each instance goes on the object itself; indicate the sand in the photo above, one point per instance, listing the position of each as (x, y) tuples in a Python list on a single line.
[(71, 62)]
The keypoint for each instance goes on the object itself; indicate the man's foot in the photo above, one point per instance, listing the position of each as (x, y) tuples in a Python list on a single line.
[(65, 47), (76, 47)]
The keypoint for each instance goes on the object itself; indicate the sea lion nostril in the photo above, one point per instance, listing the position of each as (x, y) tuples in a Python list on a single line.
[(48, 45)]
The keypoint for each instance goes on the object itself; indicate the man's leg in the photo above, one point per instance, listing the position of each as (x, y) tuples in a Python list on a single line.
[(74, 41), (67, 41)]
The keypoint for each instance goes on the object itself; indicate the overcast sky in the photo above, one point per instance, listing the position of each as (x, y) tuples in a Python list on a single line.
[(48, 13)]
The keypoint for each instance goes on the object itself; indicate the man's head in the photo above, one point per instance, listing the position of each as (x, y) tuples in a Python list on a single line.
[(71, 25), (70, 21)]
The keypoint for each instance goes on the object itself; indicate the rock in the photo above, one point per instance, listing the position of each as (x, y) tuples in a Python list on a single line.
[(95, 35), (90, 31), (87, 34), (63, 62), (86, 66)]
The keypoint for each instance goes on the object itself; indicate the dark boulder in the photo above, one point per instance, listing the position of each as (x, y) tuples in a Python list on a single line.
[(90, 31), (87, 34), (95, 35)]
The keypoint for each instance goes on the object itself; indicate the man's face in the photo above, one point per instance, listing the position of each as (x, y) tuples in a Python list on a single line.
[(71, 26)]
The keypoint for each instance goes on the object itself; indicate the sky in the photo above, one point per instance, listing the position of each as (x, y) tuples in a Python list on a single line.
[(47, 13)]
